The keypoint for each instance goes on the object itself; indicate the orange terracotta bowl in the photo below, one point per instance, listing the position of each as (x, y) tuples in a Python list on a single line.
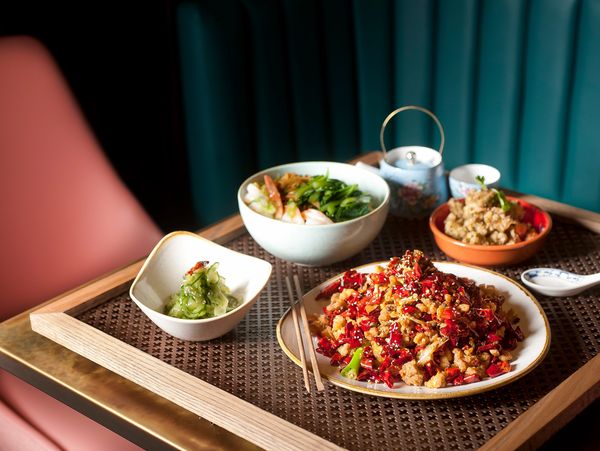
[(492, 255)]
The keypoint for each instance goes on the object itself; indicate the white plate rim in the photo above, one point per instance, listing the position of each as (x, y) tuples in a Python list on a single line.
[(428, 393)]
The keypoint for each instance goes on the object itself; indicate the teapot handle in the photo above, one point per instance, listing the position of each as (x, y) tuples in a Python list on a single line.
[(411, 107)]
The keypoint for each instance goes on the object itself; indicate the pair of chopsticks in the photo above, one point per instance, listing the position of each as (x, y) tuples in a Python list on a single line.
[(297, 303)]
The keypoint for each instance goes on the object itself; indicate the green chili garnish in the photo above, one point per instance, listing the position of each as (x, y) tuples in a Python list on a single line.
[(351, 370)]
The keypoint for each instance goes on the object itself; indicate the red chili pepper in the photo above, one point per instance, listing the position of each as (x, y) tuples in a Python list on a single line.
[(352, 335), (403, 356), (379, 278), (448, 314), (409, 309), (451, 374), (336, 359), (427, 283), (401, 291), (353, 279), (430, 369), (326, 347), (388, 378), (472, 378), (330, 290), (493, 338), (196, 267), (395, 340), (450, 329), (417, 271), (521, 229), (366, 374), (459, 380), (367, 362), (366, 324), (487, 347), (426, 317), (487, 314), (496, 369), (387, 361)]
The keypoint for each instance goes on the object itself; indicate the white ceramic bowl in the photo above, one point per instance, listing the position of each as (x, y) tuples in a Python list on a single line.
[(462, 178), (316, 245), (162, 275)]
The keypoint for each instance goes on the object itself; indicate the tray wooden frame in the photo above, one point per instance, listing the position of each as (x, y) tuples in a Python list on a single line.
[(240, 424)]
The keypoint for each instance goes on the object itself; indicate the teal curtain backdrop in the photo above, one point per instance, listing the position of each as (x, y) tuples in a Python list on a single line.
[(515, 83)]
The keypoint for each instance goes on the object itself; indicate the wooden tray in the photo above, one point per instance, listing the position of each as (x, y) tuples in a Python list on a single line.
[(57, 321)]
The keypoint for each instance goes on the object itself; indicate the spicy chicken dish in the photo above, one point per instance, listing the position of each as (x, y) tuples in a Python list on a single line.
[(409, 322)]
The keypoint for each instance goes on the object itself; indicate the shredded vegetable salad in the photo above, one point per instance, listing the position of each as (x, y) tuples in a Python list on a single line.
[(409, 322), (307, 200), (203, 294)]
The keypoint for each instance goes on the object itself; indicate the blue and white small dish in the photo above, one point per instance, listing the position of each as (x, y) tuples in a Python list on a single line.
[(463, 178)]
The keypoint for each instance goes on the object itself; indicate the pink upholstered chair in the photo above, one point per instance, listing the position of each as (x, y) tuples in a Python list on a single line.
[(66, 218)]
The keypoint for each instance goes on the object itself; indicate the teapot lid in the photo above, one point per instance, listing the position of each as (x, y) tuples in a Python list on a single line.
[(413, 157)]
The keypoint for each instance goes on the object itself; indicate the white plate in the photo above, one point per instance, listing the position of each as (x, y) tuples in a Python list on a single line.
[(528, 354)]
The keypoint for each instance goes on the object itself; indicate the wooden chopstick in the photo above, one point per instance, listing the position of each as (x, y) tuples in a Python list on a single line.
[(311, 349), (298, 334)]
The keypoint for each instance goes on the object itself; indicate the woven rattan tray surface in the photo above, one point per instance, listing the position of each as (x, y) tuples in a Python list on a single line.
[(249, 364)]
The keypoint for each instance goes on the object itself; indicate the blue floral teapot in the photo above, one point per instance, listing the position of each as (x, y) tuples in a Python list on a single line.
[(415, 174)]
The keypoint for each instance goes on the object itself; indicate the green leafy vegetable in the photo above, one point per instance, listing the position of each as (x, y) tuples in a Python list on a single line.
[(505, 204), (481, 180), (351, 370), (203, 294), (334, 198)]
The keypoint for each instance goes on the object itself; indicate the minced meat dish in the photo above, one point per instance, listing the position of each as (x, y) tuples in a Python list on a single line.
[(480, 219)]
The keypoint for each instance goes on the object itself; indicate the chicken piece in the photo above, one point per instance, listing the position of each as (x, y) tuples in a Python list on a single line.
[(421, 339), (339, 322), (411, 374), (437, 381), (445, 359), (344, 349), (426, 354), (459, 360), (337, 302), (338, 326), (377, 351), (478, 370)]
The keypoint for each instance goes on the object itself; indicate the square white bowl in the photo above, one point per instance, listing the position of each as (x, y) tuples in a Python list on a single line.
[(162, 275)]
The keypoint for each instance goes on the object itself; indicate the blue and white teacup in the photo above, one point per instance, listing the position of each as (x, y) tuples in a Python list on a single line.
[(463, 179)]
